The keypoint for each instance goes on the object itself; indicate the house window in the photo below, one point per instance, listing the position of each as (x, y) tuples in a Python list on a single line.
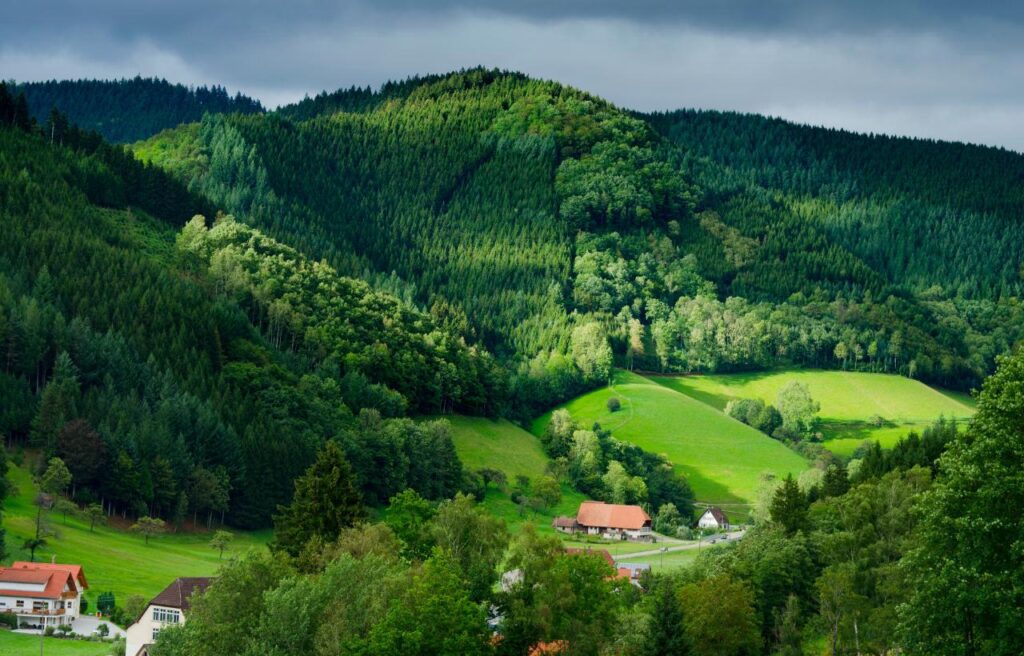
[(166, 615), (155, 633), (20, 603), (68, 604)]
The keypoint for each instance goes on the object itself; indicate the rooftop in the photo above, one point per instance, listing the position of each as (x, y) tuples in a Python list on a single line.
[(612, 515)]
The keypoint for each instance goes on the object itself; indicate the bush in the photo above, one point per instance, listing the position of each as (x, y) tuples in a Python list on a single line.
[(614, 404), (105, 603), (9, 619), (49, 631), (877, 421)]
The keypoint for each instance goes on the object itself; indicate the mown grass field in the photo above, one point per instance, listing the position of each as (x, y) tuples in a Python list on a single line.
[(722, 458), (848, 401), (19, 644), (508, 448), (114, 560)]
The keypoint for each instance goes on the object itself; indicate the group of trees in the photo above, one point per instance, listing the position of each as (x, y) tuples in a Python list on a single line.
[(792, 417), (900, 559), (177, 382), (605, 468), (127, 110)]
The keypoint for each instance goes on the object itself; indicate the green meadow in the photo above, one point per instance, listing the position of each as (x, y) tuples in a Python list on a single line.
[(508, 448), (848, 401), (722, 458), (114, 559), (19, 644)]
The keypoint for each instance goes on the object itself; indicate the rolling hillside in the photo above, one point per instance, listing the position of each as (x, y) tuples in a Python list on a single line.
[(504, 446), (721, 457), (848, 401), (114, 559)]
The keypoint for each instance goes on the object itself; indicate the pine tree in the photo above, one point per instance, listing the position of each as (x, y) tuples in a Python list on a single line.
[(666, 634), (326, 501), (789, 506)]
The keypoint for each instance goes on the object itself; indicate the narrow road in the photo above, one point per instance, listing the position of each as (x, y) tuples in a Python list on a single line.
[(734, 535)]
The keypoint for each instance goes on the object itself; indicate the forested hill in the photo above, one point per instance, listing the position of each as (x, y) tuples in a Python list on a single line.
[(921, 212), (127, 110), (183, 365), (545, 220)]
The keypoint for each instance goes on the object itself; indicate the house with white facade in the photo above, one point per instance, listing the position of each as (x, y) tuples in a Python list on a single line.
[(714, 518), (42, 594), (615, 521), (168, 608)]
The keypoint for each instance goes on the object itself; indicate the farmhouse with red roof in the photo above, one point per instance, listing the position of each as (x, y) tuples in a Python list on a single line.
[(42, 594), (608, 519)]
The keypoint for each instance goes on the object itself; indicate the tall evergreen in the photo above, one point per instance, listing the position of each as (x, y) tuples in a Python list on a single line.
[(326, 501)]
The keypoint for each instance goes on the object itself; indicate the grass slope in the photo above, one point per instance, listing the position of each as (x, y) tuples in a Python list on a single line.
[(722, 458), (848, 400), (504, 446), (19, 644), (114, 560)]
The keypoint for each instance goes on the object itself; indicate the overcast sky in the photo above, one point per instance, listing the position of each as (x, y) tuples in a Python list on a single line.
[(942, 69)]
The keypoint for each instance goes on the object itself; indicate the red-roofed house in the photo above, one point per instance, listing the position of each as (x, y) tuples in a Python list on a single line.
[(42, 594), (614, 520)]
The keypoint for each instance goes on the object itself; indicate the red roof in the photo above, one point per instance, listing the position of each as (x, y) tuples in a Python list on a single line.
[(24, 576), (610, 515), (54, 580), (548, 648), (74, 570)]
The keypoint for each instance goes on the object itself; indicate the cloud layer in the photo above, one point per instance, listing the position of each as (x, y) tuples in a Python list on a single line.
[(949, 70)]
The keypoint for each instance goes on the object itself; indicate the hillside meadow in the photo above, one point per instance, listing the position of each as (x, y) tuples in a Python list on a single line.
[(114, 559), (722, 458), (849, 401), (485, 443)]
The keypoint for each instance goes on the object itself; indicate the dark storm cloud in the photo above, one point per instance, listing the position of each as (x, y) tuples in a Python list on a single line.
[(941, 68)]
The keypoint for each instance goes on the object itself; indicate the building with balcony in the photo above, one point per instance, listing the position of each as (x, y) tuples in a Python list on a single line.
[(42, 594)]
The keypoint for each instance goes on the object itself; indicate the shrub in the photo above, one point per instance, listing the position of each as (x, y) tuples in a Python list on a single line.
[(49, 631), (877, 421), (614, 404), (105, 603), (9, 619)]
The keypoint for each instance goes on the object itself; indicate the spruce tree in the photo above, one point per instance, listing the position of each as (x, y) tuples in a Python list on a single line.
[(326, 501), (789, 506), (666, 635)]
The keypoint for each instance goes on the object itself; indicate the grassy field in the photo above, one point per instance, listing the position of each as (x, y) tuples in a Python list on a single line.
[(722, 458), (18, 644), (114, 559), (672, 560), (848, 400), (504, 446)]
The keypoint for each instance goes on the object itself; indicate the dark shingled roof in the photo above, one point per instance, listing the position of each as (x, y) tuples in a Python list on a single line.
[(717, 513), (178, 593)]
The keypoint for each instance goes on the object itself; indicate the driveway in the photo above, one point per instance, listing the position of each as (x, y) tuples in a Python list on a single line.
[(735, 535), (87, 625)]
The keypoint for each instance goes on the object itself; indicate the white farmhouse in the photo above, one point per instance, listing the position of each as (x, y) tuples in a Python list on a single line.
[(166, 609), (713, 518), (42, 594)]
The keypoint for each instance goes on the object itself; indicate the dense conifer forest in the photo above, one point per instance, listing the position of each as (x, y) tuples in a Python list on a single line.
[(127, 110), (256, 318)]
